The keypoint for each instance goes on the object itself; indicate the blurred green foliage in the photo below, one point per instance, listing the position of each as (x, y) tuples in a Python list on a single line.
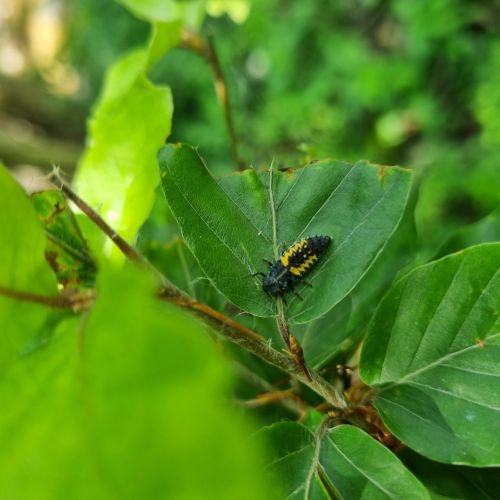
[(114, 408), (409, 83), (395, 82)]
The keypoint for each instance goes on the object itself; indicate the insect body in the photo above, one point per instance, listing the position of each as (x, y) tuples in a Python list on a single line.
[(293, 264)]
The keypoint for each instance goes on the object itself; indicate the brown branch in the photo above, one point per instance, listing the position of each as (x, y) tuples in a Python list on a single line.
[(291, 401), (77, 301), (129, 251), (207, 51), (227, 327), (294, 348)]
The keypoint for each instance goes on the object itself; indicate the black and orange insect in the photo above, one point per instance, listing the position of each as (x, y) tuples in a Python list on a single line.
[(293, 264)]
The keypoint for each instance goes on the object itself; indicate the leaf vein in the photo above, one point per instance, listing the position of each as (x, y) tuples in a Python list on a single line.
[(454, 395), (361, 471)]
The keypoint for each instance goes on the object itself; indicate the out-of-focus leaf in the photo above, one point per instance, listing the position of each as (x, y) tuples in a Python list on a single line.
[(343, 463), (453, 481), (454, 195), (232, 224), (164, 36), (127, 403), (488, 99), (432, 349), (484, 231), (237, 10), (23, 268), (67, 251), (160, 225), (117, 173), (177, 263), (191, 11)]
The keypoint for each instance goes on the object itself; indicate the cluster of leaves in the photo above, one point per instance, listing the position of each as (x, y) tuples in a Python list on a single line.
[(124, 396)]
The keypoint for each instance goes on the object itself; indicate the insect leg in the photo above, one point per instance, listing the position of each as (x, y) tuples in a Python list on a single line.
[(258, 273), (297, 294)]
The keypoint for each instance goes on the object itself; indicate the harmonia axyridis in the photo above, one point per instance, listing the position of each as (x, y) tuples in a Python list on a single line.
[(293, 264)]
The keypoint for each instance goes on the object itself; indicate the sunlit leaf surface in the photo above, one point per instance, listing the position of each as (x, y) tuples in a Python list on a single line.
[(128, 402), (22, 268)]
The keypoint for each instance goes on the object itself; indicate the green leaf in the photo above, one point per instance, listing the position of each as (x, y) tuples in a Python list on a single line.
[(67, 251), (23, 268), (117, 174), (452, 481), (129, 402), (164, 36), (167, 10), (345, 462), (433, 348), (399, 253), (228, 223), (237, 10)]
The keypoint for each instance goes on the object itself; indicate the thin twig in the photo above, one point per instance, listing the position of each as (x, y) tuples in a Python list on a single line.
[(291, 401), (207, 51), (293, 345), (76, 301), (130, 252), (282, 323), (298, 355)]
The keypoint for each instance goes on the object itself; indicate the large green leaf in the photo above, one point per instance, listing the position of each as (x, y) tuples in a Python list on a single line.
[(167, 10), (23, 268), (233, 223), (67, 251), (129, 402), (433, 348), (344, 463), (117, 174)]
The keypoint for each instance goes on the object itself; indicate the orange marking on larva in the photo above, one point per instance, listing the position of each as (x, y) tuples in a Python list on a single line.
[(285, 258), (297, 271)]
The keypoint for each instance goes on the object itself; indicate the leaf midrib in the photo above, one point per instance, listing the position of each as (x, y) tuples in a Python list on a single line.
[(361, 471)]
